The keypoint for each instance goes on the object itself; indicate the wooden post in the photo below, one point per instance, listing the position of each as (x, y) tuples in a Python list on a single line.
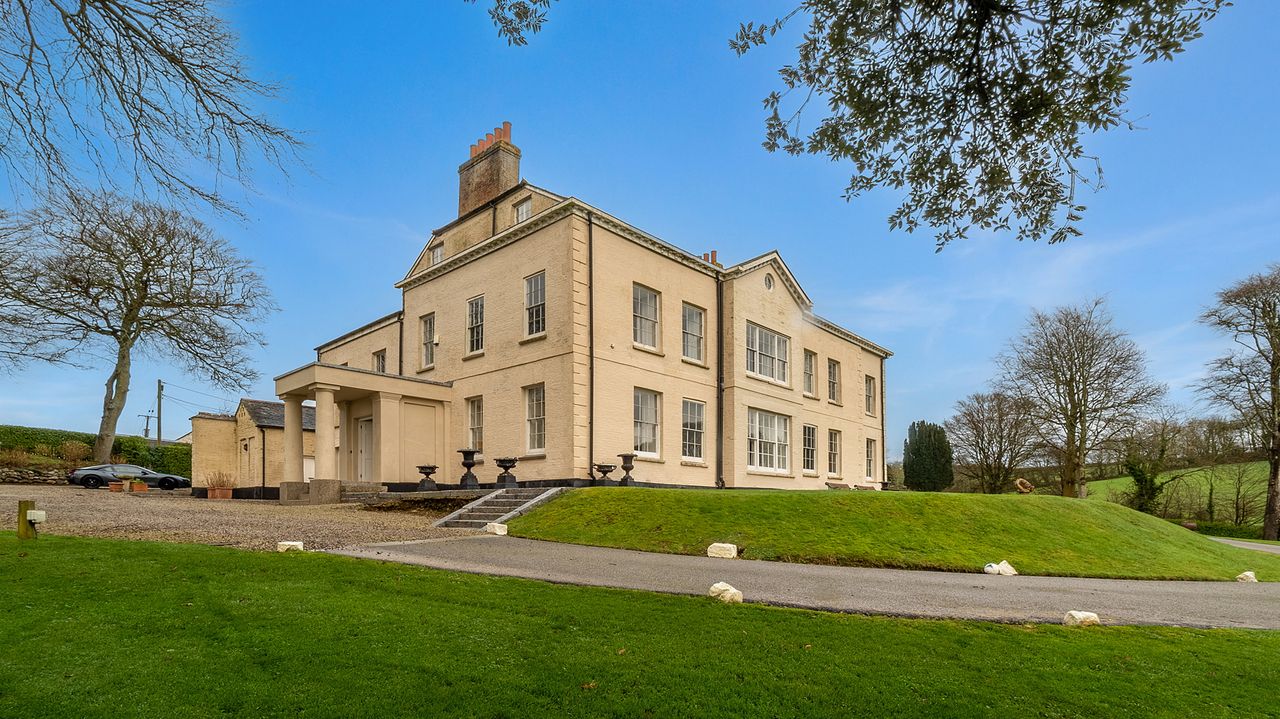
[(26, 530)]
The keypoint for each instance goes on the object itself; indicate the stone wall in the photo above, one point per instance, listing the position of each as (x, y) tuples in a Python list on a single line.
[(26, 475)]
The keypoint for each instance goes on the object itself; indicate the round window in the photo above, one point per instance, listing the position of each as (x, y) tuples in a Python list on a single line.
[(768, 282)]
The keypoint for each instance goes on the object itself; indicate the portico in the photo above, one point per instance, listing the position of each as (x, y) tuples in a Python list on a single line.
[(371, 428)]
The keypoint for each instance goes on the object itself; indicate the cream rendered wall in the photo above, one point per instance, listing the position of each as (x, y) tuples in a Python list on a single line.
[(747, 299), (510, 361), (213, 447), (358, 351), (621, 366)]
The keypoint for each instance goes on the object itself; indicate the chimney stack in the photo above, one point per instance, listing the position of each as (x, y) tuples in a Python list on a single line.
[(492, 168)]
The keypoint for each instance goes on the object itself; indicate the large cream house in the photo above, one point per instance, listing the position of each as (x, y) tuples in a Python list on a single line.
[(537, 326)]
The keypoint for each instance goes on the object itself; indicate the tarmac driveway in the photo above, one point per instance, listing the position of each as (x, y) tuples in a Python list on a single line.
[(851, 589)]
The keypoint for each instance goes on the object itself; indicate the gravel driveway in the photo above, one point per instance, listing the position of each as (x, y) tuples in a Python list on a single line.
[(177, 517)]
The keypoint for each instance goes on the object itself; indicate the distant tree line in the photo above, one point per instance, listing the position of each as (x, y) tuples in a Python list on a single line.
[(1073, 401)]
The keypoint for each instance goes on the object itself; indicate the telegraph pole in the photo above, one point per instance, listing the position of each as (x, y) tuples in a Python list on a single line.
[(159, 410), (146, 428)]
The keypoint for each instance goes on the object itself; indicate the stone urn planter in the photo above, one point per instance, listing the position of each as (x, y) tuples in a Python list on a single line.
[(427, 484), (469, 479), (506, 479), (220, 493), (603, 470)]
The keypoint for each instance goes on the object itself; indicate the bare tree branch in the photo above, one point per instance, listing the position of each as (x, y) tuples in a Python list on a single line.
[(100, 272), (139, 95)]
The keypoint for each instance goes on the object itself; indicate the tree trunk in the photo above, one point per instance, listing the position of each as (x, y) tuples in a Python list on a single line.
[(1270, 520), (117, 391)]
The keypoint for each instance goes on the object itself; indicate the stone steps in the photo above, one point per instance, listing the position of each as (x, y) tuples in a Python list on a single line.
[(501, 505)]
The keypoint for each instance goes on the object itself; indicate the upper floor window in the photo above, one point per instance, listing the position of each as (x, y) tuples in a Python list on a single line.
[(535, 304), (871, 394), (810, 448), (475, 423), (428, 340), (767, 353), (437, 254), (644, 316), (380, 361), (647, 423), (475, 324), (524, 209), (833, 380), (692, 327), (535, 400), (692, 425), (768, 440), (833, 453), (810, 369)]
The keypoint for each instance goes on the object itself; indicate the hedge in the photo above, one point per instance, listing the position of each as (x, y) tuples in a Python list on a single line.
[(169, 459)]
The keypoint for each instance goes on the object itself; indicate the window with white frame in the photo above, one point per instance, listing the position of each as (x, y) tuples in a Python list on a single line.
[(428, 324), (833, 453), (693, 330), (833, 380), (475, 423), (767, 353), (524, 209), (475, 324), (644, 316), (768, 440), (810, 448), (535, 400), (692, 425), (535, 304), (810, 371), (871, 394), (871, 459), (437, 254), (380, 361), (647, 422)]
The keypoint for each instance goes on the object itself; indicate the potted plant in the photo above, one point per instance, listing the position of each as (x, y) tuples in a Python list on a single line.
[(220, 484), (132, 483), (115, 485)]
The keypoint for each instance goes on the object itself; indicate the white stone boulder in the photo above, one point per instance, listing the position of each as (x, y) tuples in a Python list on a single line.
[(495, 528), (1003, 569), (289, 546), (1081, 619), (1247, 577), (722, 550), (726, 593)]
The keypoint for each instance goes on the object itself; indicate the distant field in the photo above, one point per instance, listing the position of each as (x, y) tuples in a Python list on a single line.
[(1193, 489)]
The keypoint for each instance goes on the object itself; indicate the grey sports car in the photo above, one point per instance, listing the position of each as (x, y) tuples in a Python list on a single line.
[(99, 474)]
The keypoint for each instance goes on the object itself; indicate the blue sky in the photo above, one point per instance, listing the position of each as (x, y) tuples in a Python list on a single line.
[(641, 110)]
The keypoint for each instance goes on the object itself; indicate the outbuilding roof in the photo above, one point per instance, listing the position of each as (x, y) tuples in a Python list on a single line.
[(265, 413)]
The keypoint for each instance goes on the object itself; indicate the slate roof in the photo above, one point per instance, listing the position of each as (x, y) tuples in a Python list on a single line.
[(264, 413)]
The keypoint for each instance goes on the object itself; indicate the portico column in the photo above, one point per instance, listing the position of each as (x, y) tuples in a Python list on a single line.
[(292, 438), (326, 464), (386, 437)]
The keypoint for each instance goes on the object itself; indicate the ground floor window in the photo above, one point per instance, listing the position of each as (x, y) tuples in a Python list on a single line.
[(536, 417), (475, 423), (810, 448), (692, 423), (871, 459), (646, 422), (768, 440), (833, 452)]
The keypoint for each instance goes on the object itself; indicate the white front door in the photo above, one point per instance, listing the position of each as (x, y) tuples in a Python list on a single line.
[(364, 451)]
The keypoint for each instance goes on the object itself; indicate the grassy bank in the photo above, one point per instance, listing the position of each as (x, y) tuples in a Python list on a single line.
[(912, 530), (105, 628)]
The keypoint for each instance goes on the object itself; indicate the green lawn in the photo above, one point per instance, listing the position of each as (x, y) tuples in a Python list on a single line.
[(914, 530), (101, 628)]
